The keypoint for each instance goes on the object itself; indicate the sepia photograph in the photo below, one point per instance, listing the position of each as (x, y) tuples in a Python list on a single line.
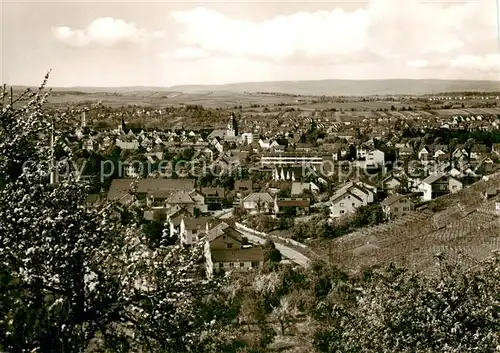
[(250, 176)]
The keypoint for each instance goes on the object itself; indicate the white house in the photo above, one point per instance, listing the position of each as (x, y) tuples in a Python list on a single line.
[(423, 154), (351, 196), (258, 202), (247, 137), (218, 146), (433, 186), (375, 158), (192, 229), (344, 203), (298, 188)]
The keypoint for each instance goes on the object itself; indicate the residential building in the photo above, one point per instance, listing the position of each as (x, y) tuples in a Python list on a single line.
[(351, 196), (291, 206), (396, 205), (121, 189), (298, 188), (258, 202), (193, 229), (433, 186), (224, 249), (291, 158), (391, 183)]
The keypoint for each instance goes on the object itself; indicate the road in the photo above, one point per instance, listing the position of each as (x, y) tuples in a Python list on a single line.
[(291, 254)]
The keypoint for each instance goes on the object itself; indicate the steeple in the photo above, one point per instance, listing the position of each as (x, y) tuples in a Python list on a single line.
[(124, 126), (234, 124)]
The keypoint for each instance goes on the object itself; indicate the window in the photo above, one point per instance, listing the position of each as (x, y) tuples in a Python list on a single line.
[(395, 209), (242, 264), (454, 187), (353, 204), (223, 237), (230, 245), (195, 231), (221, 265), (231, 264), (255, 263), (405, 209), (341, 204), (342, 212)]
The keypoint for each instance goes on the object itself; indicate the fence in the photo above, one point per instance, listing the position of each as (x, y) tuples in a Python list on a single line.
[(275, 238)]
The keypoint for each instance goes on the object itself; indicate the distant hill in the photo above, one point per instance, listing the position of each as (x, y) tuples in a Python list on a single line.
[(351, 87), (321, 87)]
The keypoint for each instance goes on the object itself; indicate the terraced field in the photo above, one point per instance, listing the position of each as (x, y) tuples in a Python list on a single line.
[(467, 231)]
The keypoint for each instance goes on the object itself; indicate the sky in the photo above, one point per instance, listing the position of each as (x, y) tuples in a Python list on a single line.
[(165, 43)]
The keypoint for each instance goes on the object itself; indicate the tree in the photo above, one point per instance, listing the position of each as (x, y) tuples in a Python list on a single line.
[(427, 139), (72, 275), (284, 313), (438, 140), (271, 254), (455, 310), (452, 146), (415, 144), (469, 144)]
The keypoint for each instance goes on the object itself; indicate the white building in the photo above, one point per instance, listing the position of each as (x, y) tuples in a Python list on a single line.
[(291, 158), (351, 196)]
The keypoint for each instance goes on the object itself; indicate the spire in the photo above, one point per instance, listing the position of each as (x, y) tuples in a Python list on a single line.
[(124, 126), (234, 124)]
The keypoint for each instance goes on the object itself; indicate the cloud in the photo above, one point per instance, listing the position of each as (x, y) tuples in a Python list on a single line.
[(418, 63), (489, 63), (409, 31), (105, 31), (187, 53)]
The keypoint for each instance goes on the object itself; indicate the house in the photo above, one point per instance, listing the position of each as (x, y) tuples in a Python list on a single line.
[(397, 205), (258, 202), (424, 154), (217, 145), (344, 203), (247, 138), (127, 145), (224, 249), (121, 189), (351, 196), (374, 159), (434, 185), (405, 151), (215, 197), (291, 206), (455, 184), (298, 188), (192, 229), (243, 186), (390, 183)]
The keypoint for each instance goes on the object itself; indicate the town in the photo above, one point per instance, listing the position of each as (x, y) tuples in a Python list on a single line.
[(250, 177), (265, 174)]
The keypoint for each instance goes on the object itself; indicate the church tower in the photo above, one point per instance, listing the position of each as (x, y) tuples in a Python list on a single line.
[(123, 126), (234, 124)]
